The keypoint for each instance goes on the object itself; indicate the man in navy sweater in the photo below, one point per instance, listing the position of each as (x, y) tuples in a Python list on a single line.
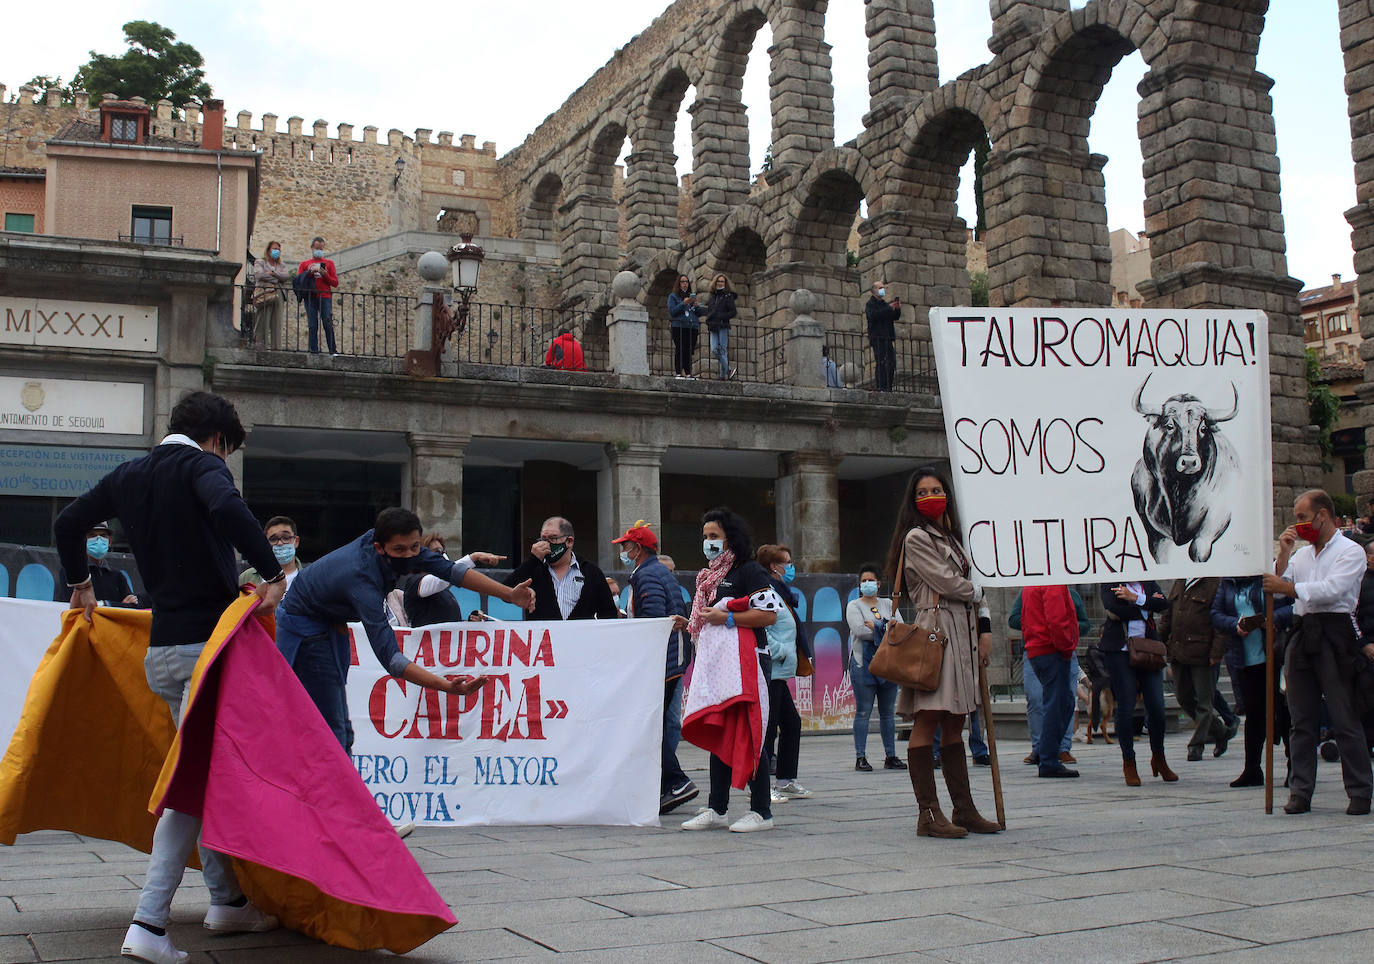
[(183, 518)]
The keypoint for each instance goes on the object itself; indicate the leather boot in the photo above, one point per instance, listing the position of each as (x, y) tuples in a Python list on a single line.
[(1160, 768), (964, 813), (1132, 776), (931, 823)]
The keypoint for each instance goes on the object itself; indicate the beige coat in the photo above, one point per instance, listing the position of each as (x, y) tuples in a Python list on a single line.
[(933, 566)]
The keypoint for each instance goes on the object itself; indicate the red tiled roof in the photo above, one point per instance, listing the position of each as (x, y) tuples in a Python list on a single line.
[(88, 132)]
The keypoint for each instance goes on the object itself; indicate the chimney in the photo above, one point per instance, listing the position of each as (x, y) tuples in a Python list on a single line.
[(212, 125), (1335, 281)]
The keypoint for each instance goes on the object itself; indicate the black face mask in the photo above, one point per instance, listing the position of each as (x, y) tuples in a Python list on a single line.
[(401, 565), (556, 552)]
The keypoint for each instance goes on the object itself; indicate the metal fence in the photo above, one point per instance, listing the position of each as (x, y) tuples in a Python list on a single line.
[(523, 337), (856, 361), (365, 324), (753, 352)]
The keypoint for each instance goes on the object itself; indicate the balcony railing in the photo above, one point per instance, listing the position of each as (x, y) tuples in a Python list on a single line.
[(856, 360), (176, 242), (753, 352), (522, 336)]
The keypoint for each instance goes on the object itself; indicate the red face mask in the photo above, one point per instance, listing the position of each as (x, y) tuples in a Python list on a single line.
[(931, 506), (1308, 532)]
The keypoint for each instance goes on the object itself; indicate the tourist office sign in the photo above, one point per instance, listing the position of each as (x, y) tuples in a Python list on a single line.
[(48, 323), (68, 406), (1102, 445)]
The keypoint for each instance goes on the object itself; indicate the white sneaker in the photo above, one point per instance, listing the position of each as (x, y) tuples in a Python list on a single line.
[(750, 822), (143, 945), (223, 919), (776, 796), (706, 819), (792, 790)]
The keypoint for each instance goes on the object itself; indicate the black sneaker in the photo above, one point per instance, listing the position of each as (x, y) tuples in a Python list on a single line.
[(982, 760), (894, 763), (675, 798), (862, 764)]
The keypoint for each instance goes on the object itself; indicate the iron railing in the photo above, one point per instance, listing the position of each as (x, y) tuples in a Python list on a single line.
[(856, 360), (179, 241), (522, 336), (365, 324), (753, 352)]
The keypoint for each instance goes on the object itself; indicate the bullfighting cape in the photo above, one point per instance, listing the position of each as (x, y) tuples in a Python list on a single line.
[(253, 759), (727, 700)]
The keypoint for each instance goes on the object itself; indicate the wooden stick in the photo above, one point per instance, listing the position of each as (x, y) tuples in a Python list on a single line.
[(991, 735), (1268, 702)]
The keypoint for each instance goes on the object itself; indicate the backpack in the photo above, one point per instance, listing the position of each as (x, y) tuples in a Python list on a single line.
[(303, 285)]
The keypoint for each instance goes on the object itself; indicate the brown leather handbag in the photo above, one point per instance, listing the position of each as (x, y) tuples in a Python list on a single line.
[(1145, 653), (911, 654)]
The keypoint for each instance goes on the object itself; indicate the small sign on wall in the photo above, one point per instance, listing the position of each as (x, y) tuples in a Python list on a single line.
[(69, 406), (47, 323)]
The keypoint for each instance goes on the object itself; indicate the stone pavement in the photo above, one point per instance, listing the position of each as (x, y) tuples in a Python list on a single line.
[(1089, 870)]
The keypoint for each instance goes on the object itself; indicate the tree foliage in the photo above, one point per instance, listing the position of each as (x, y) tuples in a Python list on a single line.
[(978, 289), (154, 67), (980, 159), (1323, 405), (45, 83)]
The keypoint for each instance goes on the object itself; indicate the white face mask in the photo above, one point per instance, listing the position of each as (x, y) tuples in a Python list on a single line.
[(882, 292), (711, 548), (625, 559), (868, 588)]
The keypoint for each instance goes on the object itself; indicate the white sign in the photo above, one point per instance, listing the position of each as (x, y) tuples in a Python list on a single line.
[(569, 731), (77, 324), (68, 406), (27, 628), (1095, 445)]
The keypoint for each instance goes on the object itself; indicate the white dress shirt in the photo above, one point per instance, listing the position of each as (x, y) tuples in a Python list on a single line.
[(1327, 581)]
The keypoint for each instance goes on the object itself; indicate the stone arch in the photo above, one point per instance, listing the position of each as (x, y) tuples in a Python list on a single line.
[(826, 203), (591, 213), (936, 115), (540, 221), (659, 275), (651, 182), (742, 254)]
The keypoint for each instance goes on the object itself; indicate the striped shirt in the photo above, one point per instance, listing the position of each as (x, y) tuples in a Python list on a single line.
[(568, 587)]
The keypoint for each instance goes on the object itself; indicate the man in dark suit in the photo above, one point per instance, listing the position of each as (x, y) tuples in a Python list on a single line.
[(184, 518), (566, 586)]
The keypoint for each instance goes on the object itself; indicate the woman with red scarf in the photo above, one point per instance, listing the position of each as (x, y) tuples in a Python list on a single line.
[(727, 701), (928, 545)]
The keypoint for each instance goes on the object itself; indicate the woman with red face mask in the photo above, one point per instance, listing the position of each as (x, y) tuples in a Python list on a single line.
[(927, 545)]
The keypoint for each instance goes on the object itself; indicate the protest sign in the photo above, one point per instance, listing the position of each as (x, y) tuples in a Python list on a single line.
[(1100, 445), (569, 730)]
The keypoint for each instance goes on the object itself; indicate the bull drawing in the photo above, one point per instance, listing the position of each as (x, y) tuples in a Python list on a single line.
[(1183, 481)]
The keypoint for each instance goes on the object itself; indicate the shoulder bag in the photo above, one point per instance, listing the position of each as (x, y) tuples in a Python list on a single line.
[(911, 654), (1145, 653)]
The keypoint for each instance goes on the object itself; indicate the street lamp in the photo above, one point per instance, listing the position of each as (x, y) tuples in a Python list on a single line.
[(466, 258), (400, 168), (445, 321)]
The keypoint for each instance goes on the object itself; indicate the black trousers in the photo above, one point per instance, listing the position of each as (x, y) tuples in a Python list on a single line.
[(1320, 663), (784, 727), (684, 347), (1251, 679), (760, 793), (885, 361)]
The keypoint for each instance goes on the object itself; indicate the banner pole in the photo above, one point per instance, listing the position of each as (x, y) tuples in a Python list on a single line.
[(990, 731), (1268, 703)]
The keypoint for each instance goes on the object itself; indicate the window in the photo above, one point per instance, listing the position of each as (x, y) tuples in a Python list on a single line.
[(22, 223), (152, 225), (124, 129), (1338, 324)]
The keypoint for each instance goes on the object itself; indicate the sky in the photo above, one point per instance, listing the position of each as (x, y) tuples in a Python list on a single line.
[(497, 72)]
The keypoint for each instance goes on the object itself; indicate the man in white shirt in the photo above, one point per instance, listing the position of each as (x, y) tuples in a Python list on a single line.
[(1324, 577)]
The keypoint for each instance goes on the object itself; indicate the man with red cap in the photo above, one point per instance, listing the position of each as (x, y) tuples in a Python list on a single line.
[(654, 593)]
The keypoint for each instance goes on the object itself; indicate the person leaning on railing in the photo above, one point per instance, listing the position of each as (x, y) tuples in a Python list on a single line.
[(271, 280)]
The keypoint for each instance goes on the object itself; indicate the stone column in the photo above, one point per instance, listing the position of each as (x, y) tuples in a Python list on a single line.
[(651, 196), (801, 90), (591, 244), (627, 327), (627, 490), (1357, 40), (720, 162), (437, 481), (901, 52), (802, 343), (807, 494), (1017, 20), (923, 257)]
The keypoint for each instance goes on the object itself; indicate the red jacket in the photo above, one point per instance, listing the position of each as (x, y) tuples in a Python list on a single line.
[(1049, 623), (329, 278), (566, 353)]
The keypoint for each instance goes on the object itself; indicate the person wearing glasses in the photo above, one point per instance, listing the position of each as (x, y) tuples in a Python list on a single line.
[(566, 585), (284, 538), (865, 614)]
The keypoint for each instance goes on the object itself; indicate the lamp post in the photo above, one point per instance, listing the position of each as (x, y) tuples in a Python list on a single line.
[(400, 169), (445, 321)]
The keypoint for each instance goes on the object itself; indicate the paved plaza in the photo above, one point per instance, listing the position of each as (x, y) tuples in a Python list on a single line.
[(1089, 870)]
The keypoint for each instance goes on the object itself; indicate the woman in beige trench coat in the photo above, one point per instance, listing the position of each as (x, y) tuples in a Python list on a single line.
[(936, 572)]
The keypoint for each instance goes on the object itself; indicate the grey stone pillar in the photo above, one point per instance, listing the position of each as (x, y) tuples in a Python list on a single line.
[(802, 343), (1357, 40), (627, 327), (627, 491), (807, 494), (437, 481), (1016, 21)]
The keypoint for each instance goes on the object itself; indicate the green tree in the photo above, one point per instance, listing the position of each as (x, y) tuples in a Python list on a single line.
[(155, 66), (45, 83), (1323, 405), (981, 151), (766, 166), (978, 289)]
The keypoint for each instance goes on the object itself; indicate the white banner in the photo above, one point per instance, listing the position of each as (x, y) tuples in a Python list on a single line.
[(27, 629), (1095, 445), (568, 732)]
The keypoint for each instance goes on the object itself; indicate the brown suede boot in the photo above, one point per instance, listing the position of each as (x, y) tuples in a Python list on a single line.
[(965, 814), (1160, 768), (931, 823), (1132, 775)]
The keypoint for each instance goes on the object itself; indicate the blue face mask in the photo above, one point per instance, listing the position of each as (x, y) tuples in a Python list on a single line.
[(868, 588), (97, 548), (789, 572), (711, 548), (284, 553), (274, 254), (625, 559)]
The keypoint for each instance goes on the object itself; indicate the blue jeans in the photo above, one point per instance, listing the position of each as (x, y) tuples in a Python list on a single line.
[(673, 777), (319, 654), (1035, 702), (320, 310), (720, 347), (168, 669), (977, 746), (1052, 672), (867, 690), (1127, 682)]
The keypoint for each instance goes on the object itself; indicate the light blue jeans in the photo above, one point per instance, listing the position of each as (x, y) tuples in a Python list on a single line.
[(1035, 702), (168, 669), (720, 347)]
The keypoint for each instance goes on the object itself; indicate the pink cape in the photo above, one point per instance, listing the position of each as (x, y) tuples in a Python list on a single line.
[(256, 761), (726, 705)]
